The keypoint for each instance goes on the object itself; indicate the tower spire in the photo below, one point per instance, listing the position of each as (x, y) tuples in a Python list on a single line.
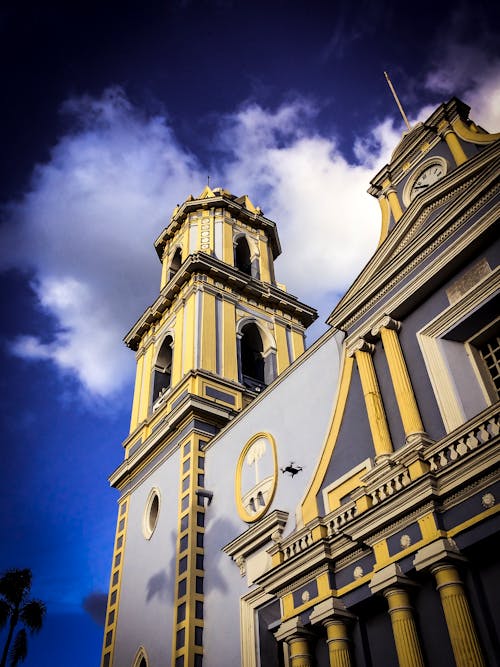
[(389, 82)]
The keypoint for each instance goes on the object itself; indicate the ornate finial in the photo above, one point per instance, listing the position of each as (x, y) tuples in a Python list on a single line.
[(208, 180), (397, 100)]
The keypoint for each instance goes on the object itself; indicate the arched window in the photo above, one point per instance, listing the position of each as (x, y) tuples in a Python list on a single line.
[(242, 258), (252, 357), (175, 264), (140, 659), (162, 372)]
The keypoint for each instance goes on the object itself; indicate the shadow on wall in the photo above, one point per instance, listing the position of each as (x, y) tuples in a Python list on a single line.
[(222, 530), (160, 584)]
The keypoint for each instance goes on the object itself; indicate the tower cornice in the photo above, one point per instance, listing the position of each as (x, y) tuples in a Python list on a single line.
[(264, 293)]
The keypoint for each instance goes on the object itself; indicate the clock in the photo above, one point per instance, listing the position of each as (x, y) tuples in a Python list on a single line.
[(430, 173)]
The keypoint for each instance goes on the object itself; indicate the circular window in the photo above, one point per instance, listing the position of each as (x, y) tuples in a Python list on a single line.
[(256, 477), (151, 513)]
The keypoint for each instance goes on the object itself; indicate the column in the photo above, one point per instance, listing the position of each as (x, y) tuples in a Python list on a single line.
[(463, 637), (297, 638), (373, 399), (396, 210), (394, 585), (403, 628), (439, 558), (453, 143), (405, 397), (334, 617)]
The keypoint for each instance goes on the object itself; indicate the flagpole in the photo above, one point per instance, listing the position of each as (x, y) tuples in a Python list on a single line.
[(397, 100)]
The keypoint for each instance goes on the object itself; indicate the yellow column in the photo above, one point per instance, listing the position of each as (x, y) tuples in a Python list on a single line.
[(296, 636), (373, 399), (265, 274), (385, 210), (177, 352), (405, 396), (282, 348), (208, 338), (333, 615), (297, 344), (300, 656), (453, 143), (147, 369), (229, 354), (394, 203), (463, 637), (403, 628), (338, 643), (134, 419)]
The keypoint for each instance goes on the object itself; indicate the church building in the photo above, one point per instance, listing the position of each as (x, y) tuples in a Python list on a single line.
[(334, 506)]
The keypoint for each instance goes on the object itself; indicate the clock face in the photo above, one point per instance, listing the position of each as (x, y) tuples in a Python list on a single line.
[(430, 175)]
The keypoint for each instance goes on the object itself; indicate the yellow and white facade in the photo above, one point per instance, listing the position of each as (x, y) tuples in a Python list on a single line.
[(330, 507)]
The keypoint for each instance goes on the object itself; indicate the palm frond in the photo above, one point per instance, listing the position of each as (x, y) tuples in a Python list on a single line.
[(32, 613), (15, 585), (19, 649), (5, 611)]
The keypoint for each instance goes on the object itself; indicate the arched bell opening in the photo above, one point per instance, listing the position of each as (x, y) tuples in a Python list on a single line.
[(242, 256), (257, 358), (162, 370), (175, 264)]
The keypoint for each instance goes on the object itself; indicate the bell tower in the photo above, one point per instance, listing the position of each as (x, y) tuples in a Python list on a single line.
[(220, 330)]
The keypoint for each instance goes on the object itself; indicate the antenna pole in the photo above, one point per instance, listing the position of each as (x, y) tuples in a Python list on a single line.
[(397, 100)]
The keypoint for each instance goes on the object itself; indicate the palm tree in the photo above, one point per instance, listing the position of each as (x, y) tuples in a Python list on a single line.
[(15, 607)]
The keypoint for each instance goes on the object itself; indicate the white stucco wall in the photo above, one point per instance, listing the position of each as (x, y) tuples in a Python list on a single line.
[(296, 411)]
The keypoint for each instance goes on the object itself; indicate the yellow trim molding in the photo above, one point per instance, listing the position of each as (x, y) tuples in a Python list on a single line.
[(309, 505)]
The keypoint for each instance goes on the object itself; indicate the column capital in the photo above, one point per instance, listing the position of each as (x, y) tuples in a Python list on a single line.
[(360, 345), (386, 322), (390, 577), (330, 610), (436, 554), (291, 629)]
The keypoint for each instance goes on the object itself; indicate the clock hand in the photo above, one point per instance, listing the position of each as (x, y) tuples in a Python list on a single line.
[(419, 187)]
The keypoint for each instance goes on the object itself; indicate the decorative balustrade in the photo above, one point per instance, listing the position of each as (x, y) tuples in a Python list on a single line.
[(298, 545), (390, 486), (336, 520), (451, 451), (437, 455)]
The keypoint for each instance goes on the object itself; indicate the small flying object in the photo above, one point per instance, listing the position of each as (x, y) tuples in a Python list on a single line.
[(292, 469)]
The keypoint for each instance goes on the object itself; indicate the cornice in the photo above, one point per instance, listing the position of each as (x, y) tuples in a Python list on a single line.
[(266, 294)]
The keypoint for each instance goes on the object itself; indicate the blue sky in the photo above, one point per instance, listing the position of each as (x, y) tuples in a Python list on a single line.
[(115, 112)]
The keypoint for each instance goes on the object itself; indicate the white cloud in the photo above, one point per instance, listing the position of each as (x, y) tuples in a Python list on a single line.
[(466, 71), (87, 225), (86, 229)]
